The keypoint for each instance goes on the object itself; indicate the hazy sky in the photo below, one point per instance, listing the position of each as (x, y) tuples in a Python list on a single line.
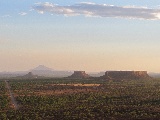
[(91, 35)]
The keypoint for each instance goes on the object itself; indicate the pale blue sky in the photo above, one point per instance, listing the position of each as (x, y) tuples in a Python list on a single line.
[(79, 35)]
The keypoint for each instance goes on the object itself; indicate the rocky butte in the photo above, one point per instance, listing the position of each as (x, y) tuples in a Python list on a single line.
[(30, 75), (122, 75), (79, 74)]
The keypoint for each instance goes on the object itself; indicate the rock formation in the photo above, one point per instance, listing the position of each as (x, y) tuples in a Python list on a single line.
[(122, 75), (79, 74), (30, 76)]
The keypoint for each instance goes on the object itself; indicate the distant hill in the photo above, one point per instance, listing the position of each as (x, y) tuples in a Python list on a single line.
[(30, 75), (12, 74), (96, 74), (154, 75), (49, 72), (43, 71), (40, 70)]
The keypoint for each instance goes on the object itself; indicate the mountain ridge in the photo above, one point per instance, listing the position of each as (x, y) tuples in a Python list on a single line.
[(42, 67), (40, 70)]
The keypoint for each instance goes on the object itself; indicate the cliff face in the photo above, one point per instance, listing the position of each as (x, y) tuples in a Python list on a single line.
[(126, 75), (79, 74)]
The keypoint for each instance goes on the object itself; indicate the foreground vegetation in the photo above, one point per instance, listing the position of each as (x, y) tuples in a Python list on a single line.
[(138, 99), (4, 100)]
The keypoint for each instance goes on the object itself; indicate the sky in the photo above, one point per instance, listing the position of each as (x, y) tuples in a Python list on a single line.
[(89, 35)]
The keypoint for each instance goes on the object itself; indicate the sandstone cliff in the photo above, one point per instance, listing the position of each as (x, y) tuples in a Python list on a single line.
[(120, 75)]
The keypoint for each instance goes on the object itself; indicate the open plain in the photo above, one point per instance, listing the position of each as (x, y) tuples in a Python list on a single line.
[(81, 99)]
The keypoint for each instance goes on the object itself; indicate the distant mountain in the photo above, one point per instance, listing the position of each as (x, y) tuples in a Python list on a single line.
[(49, 73), (29, 75), (42, 70), (12, 74), (42, 67)]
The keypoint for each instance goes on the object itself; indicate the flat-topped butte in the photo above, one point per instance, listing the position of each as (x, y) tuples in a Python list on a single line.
[(125, 75)]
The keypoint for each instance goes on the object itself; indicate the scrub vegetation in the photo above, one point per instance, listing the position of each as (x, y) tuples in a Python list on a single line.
[(81, 99)]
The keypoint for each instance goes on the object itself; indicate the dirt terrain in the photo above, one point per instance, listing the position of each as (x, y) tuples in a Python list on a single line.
[(13, 101)]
